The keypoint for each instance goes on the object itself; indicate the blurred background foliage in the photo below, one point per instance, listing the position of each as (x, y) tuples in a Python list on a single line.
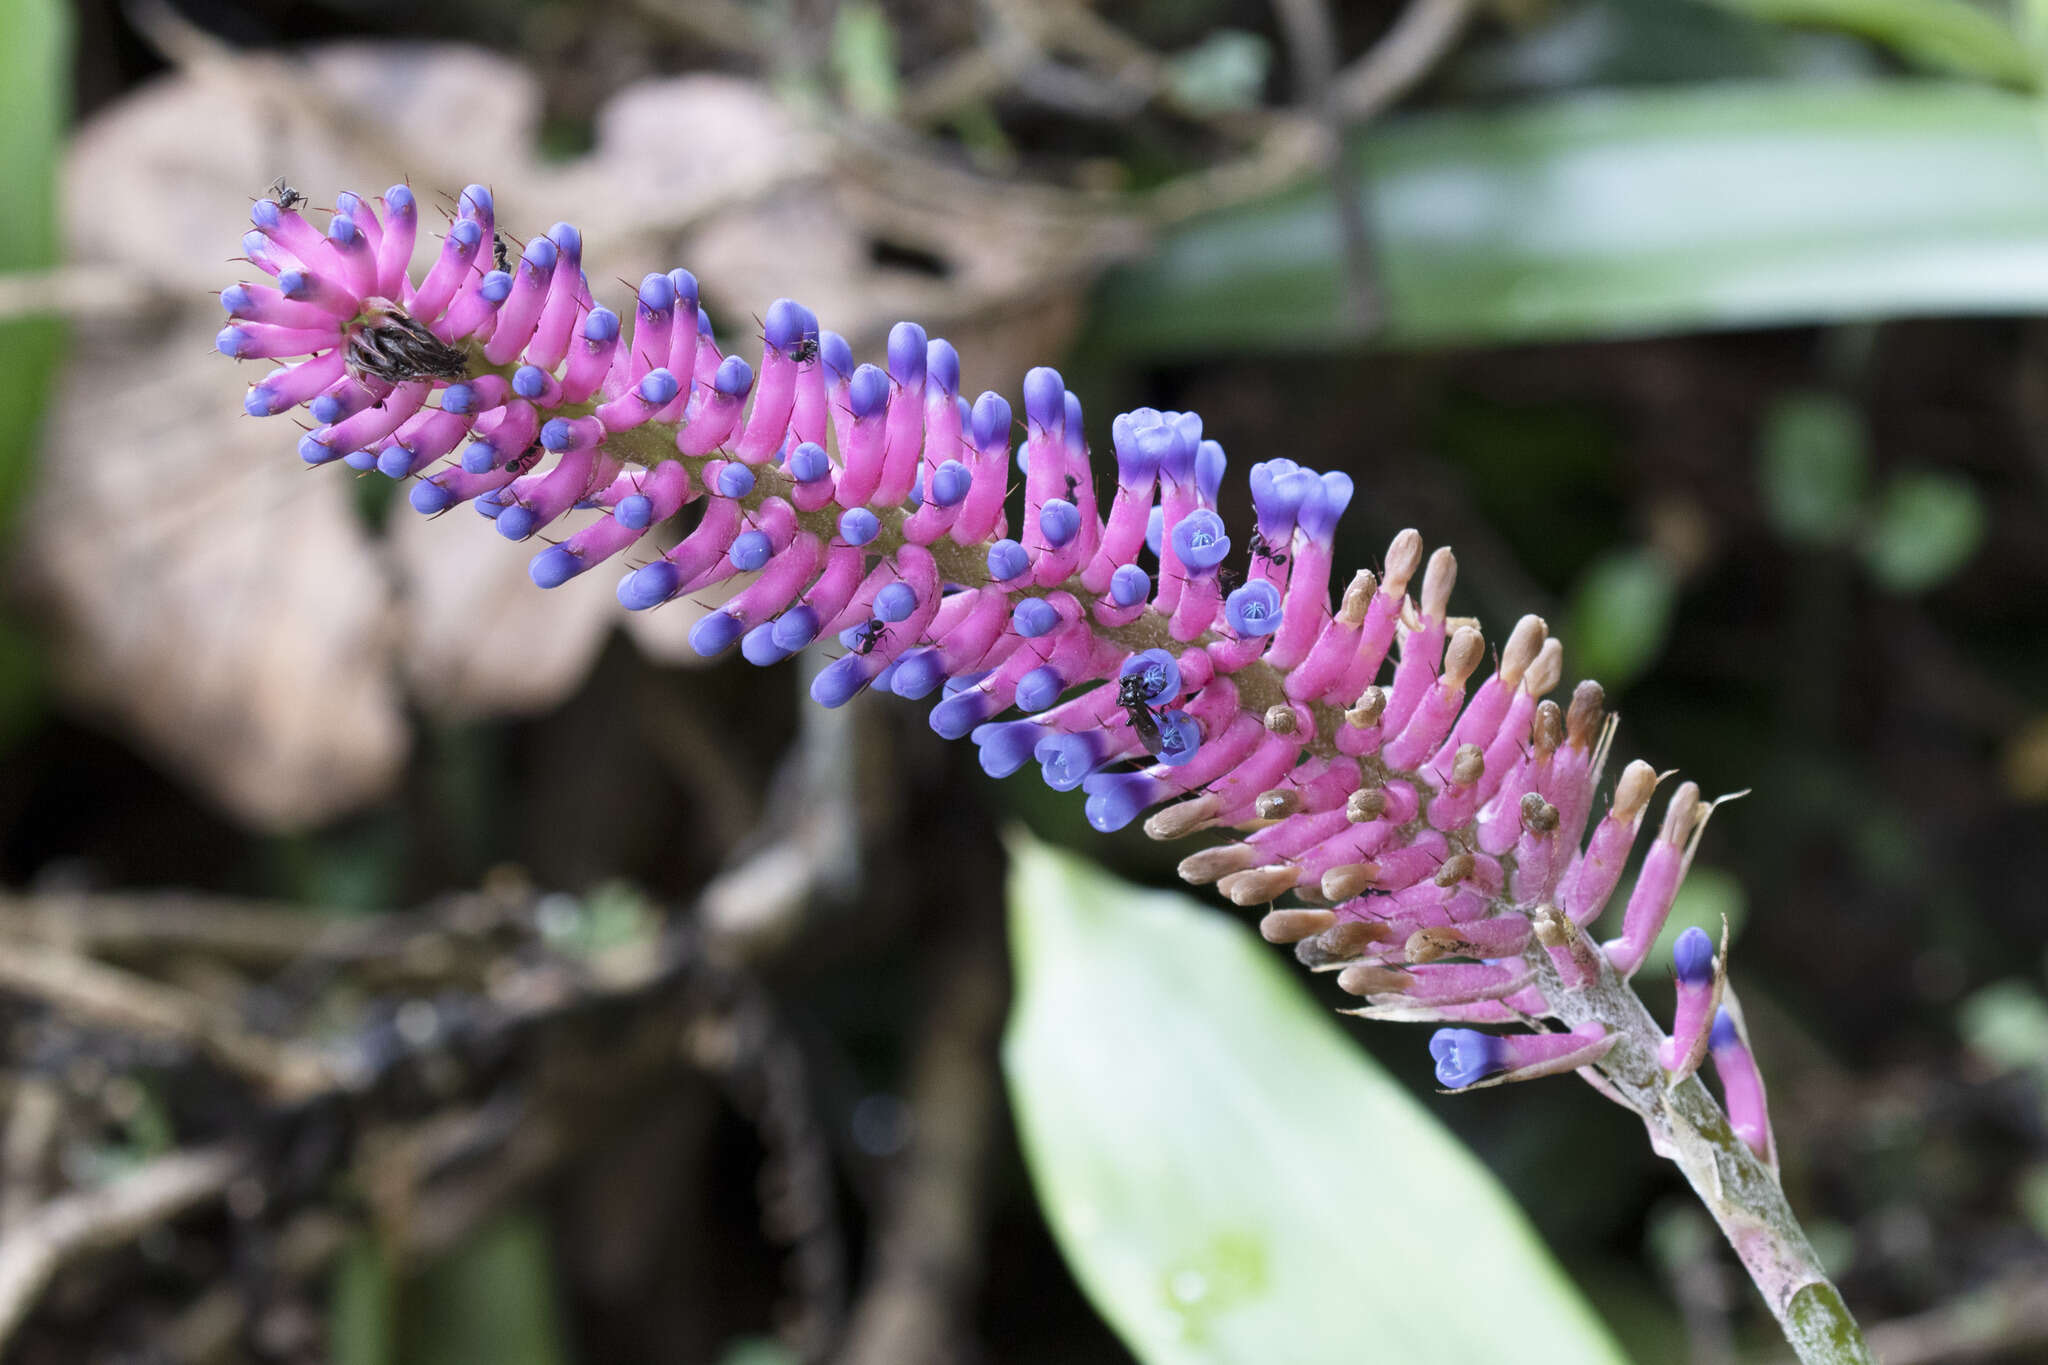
[(1706, 330)]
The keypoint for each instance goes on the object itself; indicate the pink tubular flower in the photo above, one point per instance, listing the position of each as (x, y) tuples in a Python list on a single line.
[(1427, 819)]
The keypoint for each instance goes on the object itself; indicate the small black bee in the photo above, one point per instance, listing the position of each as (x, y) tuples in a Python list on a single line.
[(393, 346), (806, 350), (1228, 580), (1130, 695), (498, 256), (1278, 558), (1073, 482), (526, 459), (869, 634), (287, 198)]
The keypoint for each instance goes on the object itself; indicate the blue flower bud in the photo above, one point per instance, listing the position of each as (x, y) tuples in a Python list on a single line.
[(1693, 957), (868, 394), (530, 381), (989, 423), (1045, 397), (1065, 761), (1129, 585), (1059, 520), (554, 566), (1039, 688), (1033, 617), (750, 550), (735, 481), (836, 354), (1007, 560), (1115, 799), (906, 354), (942, 366), (715, 633), (734, 377), (657, 294), (758, 646), (649, 585), (600, 325), (950, 482), (783, 327), (429, 498), (659, 387), (808, 463), (1253, 609), (634, 511), (917, 672), (858, 526), (1006, 745), (1155, 530), (840, 681), (1465, 1055), (1209, 465), (796, 627), (517, 521), (895, 602)]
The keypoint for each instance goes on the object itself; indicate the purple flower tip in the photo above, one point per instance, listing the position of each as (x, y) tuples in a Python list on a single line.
[(1006, 745), (685, 286), (480, 457), (600, 325), (1200, 541), (840, 681), (1033, 617), (795, 628), (735, 481), (808, 463), (714, 634), (959, 713), (918, 672), (315, 451), (568, 240), (429, 497), (942, 366), (343, 232), (907, 345), (750, 550), (1045, 397), (328, 409), (950, 482), (528, 381), (468, 236), (758, 646), (1465, 1055), (477, 202), (1209, 463), (398, 201), (496, 287), (1693, 957), (869, 392), (266, 214), (237, 299), (1060, 520), (783, 327), (394, 461), (1065, 761), (634, 511), (1319, 514), (1155, 530), (558, 433), (490, 504), (362, 461), (1179, 738), (1253, 609), (1129, 585), (1040, 688), (658, 387), (554, 566), (657, 294), (1161, 672), (231, 342), (858, 526), (989, 423), (460, 397), (259, 402), (1006, 560), (541, 255), (896, 602), (517, 522), (703, 322), (1725, 1034), (649, 586), (1114, 799), (837, 355), (734, 377)]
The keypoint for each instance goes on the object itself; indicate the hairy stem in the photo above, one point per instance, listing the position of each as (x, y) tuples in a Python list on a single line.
[(1742, 1194)]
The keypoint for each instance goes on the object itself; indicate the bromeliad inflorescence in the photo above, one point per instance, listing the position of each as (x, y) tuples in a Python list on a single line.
[(1429, 835)]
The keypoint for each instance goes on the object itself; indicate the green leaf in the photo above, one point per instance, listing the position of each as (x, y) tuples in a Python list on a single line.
[(1231, 1179), (864, 60), (490, 1302), (1226, 70), (1723, 205), (35, 94), (1947, 35), (1813, 468), (1621, 613), (1927, 527)]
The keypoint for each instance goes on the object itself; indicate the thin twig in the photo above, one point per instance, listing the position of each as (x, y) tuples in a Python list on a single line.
[(1425, 32)]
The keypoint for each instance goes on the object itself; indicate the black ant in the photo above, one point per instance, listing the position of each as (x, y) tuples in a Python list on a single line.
[(1259, 547), (869, 634), (805, 350), (1073, 483), (498, 256), (1131, 696), (287, 198), (1228, 580)]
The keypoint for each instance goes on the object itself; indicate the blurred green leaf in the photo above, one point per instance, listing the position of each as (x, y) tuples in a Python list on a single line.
[(1707, 895), (1226, 70), (864, 59), (2006, 1023), (491, 1302), (360, 1306), (1213, 1154), (1813, 468), (1928, 525), (24, 682), (1621, 615), (1723, 205), (35, 93), (1947, 35)]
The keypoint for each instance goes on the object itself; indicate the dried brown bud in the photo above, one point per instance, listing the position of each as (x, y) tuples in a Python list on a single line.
[(1462, 656), (1537, 814), (1366, 713), (1456, 868), (1468, 765), (1547, 671), (1352, 879), (1365, 979), (1357, 598), (1199, 869), (1548, 728), (1437, 581), (1277, 804), (1281, 720), (1582, 723), (1367, 803), (1184, 817), (1404, 556), (1526, 639), (1681, 815), (1292, 926), (1632, 790), (1259, 885)]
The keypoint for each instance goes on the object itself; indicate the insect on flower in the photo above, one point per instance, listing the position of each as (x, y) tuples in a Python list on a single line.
[(868, 634), (392, 345), (1133, 697), (287, 198), (499, 259)]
